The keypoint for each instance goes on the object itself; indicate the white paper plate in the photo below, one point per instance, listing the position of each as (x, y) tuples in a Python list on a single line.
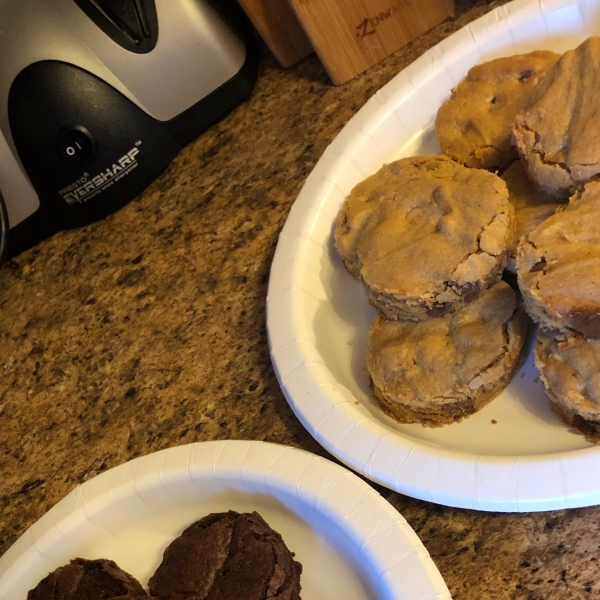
[(318, 316), (351, 542)]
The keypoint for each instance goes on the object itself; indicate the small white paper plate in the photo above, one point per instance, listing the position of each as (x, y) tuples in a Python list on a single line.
[(318, 316), (351, 542)]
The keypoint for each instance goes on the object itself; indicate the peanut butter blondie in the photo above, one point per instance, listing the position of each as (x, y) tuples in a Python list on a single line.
[(425, 235), (444, 369), (474, 125)]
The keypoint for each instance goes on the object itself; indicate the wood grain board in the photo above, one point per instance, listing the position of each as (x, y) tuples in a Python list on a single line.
[(278, 26), (351, 35)]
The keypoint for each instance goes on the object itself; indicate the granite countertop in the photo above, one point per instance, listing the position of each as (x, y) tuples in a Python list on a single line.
[(147, 330)]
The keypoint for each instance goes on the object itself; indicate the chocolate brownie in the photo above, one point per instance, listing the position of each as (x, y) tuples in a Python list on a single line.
[(558, 133), (444, 369), (227, 556), (474, 125), (425, 235), (85, 579)]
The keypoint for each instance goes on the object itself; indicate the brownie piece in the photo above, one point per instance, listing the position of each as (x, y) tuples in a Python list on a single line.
[(85, 579), (227, 556)]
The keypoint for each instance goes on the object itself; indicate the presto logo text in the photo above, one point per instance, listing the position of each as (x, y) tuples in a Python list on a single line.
[(87, 187)]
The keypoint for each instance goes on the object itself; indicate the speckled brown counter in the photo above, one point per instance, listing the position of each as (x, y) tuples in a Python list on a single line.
[(147, 330)]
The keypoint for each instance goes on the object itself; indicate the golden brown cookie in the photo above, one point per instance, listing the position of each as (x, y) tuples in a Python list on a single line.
[(569, 365), (531, 206), (558, 134), (444, 369), (425, 235), (474, 125), (558, 267)]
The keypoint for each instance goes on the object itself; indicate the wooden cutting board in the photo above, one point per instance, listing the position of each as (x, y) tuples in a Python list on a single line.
[(278, 26), (351, 35)]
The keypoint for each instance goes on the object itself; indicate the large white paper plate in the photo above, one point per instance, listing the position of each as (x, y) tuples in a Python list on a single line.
[(351, 542), (318, 316)]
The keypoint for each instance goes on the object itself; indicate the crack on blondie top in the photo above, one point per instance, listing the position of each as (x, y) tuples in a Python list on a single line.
[(539, 266), (505, 348), (526, 74)]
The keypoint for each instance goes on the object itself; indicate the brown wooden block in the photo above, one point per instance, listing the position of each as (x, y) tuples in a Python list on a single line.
[(351, 35), (278, 26)]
